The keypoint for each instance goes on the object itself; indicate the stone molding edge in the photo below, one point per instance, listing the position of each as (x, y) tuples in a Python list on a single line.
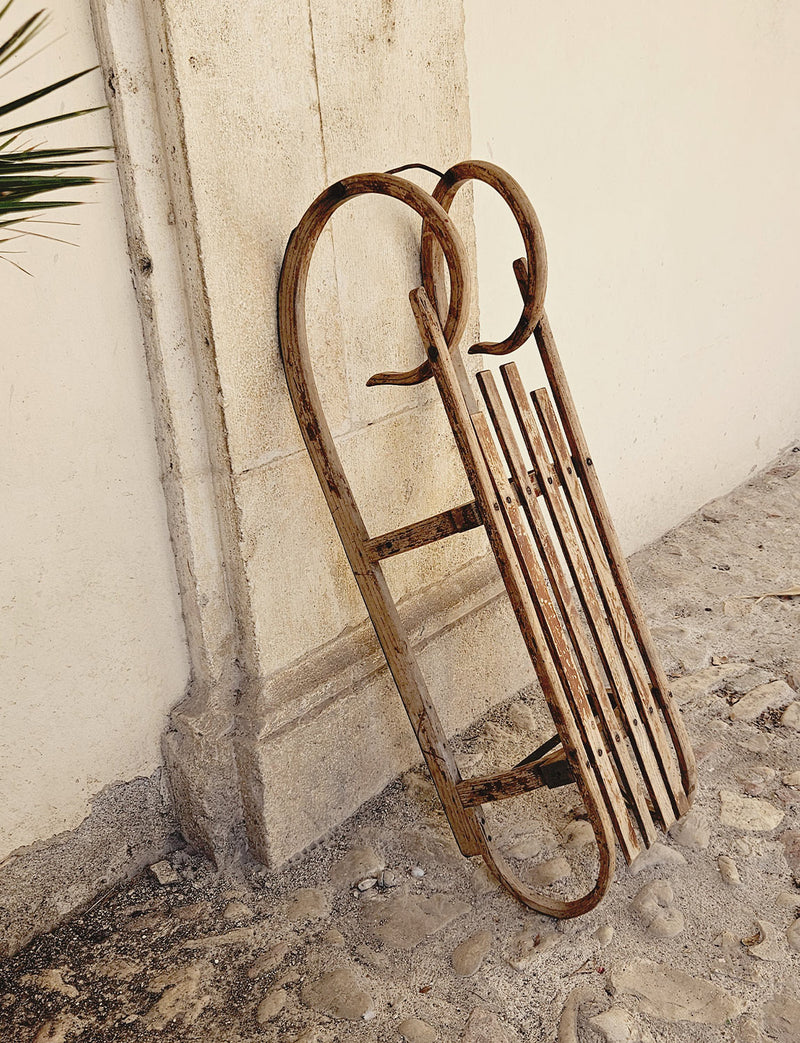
[(133, 44)]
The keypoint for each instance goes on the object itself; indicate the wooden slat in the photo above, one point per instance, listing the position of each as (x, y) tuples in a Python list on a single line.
[(581, 456), (615, 738), (611, 598), (558, 642), (584, 584), (480, 481), (429, 530)]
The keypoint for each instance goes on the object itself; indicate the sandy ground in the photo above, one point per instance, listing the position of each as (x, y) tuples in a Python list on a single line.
[(698, 941)]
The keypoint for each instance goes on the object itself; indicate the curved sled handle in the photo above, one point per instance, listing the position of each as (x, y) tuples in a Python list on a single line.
[(532, 285), (535, 285)]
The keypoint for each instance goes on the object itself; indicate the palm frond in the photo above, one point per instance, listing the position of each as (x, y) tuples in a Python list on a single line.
[(29, 171)]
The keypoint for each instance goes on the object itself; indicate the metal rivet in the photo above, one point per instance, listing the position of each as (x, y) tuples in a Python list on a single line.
[(616, 738), (599, 751), (508, 499), (549, 481), (588, 461)]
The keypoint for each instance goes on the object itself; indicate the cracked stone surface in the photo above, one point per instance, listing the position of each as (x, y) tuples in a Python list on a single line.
[(302, 955)]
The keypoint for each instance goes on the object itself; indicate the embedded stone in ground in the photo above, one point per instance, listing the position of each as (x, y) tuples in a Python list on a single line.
[(791, 849), (791, 717), (414, 1030), (748, 813), (271, 1006), (237, 911), (764, 943), (268, 960), (782, 1017), (659, 856), (358, 863), (665, 992), (184, 996), (307, 904), (578, 834), (485, 1027), (693, 832), (549, 872), (765, 697), (654, 904), (728, 870), (405, 921), (617, 1025), (337, 994), (793, 935), (469, 955)]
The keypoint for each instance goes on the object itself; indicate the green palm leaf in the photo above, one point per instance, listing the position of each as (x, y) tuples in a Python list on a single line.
[(29, 172)]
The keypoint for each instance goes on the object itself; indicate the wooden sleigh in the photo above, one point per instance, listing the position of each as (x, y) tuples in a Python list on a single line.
[(619, 736)]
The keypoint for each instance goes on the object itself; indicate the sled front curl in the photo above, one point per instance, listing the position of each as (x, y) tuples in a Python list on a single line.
[(619, 738)]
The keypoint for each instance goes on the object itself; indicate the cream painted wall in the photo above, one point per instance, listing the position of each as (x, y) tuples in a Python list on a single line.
[(660, 146), (92, 646)]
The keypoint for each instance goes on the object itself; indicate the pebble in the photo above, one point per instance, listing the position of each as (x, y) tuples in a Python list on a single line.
[(164, 873), (791, 717), (792, 779), (414, 1030), (468, 957), (269, 960), (307, 904), (549, 872), (765, 697), (758, 743), (728, 870), (271, 1006), (237, 911), (755, 779), (53, 981), (793, 935), (417, 872), (578, 834), (659, 856), (337, 994), (617, 1025), (764, 943), (668, 993), (403, 921), (367, 883), (522, 717), (483, 1026), (788, 900), (524, 847), (184, 995), (482, 882), (388, 878), (748, 813), (654, 904), (358, 864), (693, 832), (604, 934)]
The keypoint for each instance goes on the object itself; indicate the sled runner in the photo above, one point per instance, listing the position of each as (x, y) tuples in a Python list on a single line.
[(619, 736)]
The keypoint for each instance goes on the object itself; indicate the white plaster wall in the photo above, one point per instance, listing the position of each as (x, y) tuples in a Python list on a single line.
[(92, 646), (660, 146)]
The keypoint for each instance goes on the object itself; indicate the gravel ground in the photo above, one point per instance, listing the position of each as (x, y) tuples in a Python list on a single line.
[(384, 932)]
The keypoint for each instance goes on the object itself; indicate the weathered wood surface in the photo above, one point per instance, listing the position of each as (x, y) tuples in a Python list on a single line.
[(604, 688), (595, 683)]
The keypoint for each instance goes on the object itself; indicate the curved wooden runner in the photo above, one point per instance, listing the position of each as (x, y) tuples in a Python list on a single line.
[(608, 709)]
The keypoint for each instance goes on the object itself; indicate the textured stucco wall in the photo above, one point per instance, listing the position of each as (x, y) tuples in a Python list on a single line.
[(660, 147), (92, 646)]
